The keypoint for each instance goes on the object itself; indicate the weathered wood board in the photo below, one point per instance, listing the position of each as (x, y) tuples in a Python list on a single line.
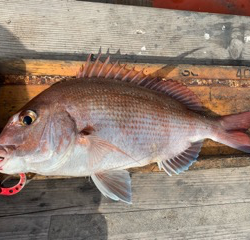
[(203, 204), (68, 29)]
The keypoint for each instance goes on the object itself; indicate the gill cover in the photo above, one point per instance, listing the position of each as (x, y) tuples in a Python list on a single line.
[(56, 142)]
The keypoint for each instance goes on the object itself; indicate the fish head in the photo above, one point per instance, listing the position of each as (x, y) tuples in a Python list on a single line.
[(39, 132)]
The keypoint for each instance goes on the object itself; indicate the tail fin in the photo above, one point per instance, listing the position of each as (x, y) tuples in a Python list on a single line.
[(234, 129)]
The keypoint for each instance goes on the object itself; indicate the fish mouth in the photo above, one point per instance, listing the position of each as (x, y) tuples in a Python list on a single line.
[(3, 160), (5, 152)]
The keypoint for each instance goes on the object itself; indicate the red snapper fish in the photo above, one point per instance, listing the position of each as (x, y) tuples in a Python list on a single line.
[(110, 119)]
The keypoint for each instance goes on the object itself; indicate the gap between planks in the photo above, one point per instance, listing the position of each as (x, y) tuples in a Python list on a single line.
[(198, 205), (151, 191)]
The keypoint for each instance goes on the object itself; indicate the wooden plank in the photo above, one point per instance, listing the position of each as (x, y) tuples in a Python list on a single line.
[(150, 191), (87, 226), (12, 98), (25, 228), (210, 222), (219, 232), (210, 204), (65, 30), (223, 75)]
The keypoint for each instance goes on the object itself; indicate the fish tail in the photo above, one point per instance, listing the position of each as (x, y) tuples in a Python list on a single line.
[(232, 131)]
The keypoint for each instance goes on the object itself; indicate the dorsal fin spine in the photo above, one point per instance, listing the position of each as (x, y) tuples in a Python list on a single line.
[(169, 87), (110, 70), (142, 80), (161, 85), (118, 73), (156, 85), (137, 75), (149, 82), (103, 66), (86, 66), (174, 90), (127, 75), (94, 66)]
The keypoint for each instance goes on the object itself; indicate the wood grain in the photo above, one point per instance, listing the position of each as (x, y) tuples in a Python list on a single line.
[(66, 30), (150, 191), (187, 223), (210, 74), (210, 204), (25, 228), (202, 204)]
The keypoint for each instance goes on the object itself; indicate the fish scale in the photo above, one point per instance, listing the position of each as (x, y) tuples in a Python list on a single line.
[(110, 119), (142, 111)]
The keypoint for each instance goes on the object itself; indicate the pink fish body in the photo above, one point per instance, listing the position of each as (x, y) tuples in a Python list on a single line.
[(111, 119)]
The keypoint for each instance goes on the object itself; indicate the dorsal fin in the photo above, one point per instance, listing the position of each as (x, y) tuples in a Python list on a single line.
[(117, 71)]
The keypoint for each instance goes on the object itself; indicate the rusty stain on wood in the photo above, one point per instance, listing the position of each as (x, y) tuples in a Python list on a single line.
[(70, 68)]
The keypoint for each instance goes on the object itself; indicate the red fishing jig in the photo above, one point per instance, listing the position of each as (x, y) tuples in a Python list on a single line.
[(8, 191)]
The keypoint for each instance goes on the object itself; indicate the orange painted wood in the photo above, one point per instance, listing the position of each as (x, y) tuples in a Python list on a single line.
[(236, 7), (28, 67)]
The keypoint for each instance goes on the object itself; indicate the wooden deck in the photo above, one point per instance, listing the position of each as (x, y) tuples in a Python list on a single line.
[(202, 204), (49, 38)]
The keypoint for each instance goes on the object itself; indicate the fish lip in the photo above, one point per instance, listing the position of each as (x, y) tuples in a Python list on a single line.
[(2, 162), (5, 152)]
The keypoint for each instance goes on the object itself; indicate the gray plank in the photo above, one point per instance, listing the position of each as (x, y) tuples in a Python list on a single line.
[(70, 29), (207, 222), (47, 197), (210, 204), (150, 191), (86, 226), (24, 228)]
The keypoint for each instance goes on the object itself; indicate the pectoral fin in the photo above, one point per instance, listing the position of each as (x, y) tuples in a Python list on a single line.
[(114, 184), (98, 149)]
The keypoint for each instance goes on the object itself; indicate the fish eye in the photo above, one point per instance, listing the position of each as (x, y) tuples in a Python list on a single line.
[(27, 117)]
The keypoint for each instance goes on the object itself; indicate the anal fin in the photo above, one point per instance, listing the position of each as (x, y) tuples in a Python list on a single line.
[(182, 161), (115, 184)]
